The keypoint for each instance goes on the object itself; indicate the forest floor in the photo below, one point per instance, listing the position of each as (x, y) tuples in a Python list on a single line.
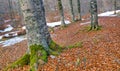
[(93, 50)]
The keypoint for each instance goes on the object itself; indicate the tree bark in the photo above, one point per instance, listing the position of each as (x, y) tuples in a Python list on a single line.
[(94, 14), (61, 12), (79, 9), (37, 32), (71, 10), (1, 20), (12, 14), (115, 6)]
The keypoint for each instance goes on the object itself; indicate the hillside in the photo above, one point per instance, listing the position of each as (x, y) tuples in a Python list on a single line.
[(99, 51)]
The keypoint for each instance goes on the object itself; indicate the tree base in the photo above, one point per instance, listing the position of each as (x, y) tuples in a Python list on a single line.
[(38, 56), (95, 28)]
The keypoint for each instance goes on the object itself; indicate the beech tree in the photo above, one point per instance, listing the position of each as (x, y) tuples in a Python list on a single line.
[(1, 20), (39, 40), (94, 14), (71, 10), (12, 12), (61, 12), (115, 6), (79, 9)]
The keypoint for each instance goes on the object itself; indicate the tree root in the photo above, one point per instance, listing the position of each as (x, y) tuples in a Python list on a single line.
[(24, 60), (38, 56)]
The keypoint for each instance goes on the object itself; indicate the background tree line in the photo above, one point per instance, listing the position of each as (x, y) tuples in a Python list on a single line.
[(51, 6)]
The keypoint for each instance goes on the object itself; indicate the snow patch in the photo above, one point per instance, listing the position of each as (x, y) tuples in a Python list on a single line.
[(9, 28), (23, 27), (52, 56), (53, 24), (85, 23), (1, 37), (7, 20), (11, 34), (12, 41), (109, 13)]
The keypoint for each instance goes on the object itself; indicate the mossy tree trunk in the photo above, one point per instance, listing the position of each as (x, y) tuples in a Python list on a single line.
[(71, 10), (79, 9), (37, 32), (60, 7), (94, 14)]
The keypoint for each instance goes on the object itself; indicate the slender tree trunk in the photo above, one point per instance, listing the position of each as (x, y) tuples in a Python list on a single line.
[(1, 20), (37, 32), (94, 14), (11, 13), (71, 10), (61, 12), (79, 9), (115, 6), (20, 13), (10, 9)]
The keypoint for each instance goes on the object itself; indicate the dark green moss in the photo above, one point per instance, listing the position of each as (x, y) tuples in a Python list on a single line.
[(25, 60), (37, 53), (55, 49), (88, 28)]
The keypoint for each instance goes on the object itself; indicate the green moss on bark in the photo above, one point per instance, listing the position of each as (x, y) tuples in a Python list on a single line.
[(38, 56), (56, 49), (24, 60)]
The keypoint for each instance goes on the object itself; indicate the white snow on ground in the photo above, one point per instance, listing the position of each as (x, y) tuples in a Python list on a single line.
[(13, 34), (1, 37), (12, 41), (85, 23), (9, 28), (23, 27), (53, 24), (109, 13), (15, 40), (7, 20), (10, 34)]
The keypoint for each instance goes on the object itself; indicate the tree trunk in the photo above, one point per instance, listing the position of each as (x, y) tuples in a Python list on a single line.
[(61, 12), (38, 37), (79, 9), (20, 12), (115, 6), (1, 20), (71, 10), (10, 9), (37, 32), (94, 14), (11, 13)]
